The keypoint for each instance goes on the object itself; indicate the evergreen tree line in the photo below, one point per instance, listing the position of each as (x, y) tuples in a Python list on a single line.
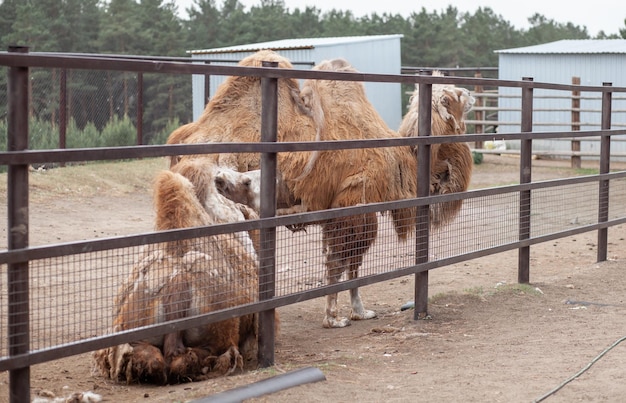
[(446, 38)]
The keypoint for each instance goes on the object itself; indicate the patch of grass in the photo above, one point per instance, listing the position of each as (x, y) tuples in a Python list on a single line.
[(454, 297), (269, 371), (90, 179), (330, 366), (504, 288), (437, 297), (527, 289), (479, 291), (587, 171)]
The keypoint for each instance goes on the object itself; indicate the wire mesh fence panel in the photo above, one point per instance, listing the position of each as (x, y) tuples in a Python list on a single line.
[(72, 296), (68, 299), (389, 252), (560, 208), (4, 311), (299, 260), (617, 198), (4, 111), (77, 297), (97, 108), (482, 223)]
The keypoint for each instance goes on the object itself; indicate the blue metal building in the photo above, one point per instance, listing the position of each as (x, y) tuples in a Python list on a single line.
[(594, 62)]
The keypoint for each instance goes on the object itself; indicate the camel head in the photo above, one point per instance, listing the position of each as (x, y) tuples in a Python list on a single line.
[(450, 104), (240, 187)]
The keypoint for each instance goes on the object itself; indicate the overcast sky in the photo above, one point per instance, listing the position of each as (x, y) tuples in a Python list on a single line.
[(596, 15)]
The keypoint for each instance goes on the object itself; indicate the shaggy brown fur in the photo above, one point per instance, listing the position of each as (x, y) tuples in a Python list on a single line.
[(234, 114), (179, 136), (345, 178), (323, 110), (178, 279), (451, 163)]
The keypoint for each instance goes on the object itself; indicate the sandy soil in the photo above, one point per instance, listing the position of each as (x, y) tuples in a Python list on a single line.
[(489, 339)]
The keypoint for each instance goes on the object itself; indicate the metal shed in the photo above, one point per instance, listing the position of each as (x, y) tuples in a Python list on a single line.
[(368, 54), (594, 61)]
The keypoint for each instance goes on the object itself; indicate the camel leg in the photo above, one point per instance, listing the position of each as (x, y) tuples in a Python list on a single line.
[(332, 318), (365, 233), (228, 362), (345, 241), (334, 270), (176, 304), (358, 311)]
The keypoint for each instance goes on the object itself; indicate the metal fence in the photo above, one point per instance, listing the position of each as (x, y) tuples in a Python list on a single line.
[(58, 300)]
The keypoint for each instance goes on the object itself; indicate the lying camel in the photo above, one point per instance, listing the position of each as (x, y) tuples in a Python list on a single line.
[(182, 278)]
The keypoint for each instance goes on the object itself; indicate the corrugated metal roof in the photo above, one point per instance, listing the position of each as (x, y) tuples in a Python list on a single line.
[(300, 43), (574, 46)]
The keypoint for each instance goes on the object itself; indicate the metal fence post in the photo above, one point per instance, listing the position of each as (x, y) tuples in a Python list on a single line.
[(17, 205), (479, 114), (422, 225), (207, 87), (575, 160), (605, 166), (267, 254), (525, 176)]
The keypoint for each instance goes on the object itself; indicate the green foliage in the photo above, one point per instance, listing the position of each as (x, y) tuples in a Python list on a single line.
[(161, 137), (121, 30), (545, 30), (42, 135), (483, 32), (477, 157), (440, 38), (3, 142), (88, 137), (3, 135), (118, 132)]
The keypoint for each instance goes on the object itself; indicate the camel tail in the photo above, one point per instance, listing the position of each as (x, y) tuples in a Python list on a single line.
[(444, 213)]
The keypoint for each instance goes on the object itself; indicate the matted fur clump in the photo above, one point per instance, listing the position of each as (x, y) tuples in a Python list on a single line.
[(233, 114), (180, 279)]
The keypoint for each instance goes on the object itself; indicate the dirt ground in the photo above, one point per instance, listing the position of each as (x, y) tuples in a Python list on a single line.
[(489, 339)]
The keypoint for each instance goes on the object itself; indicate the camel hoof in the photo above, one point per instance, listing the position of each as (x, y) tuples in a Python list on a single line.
[(366, 314), (186, 366), (228, 362), (147, 365), (335, 322)]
